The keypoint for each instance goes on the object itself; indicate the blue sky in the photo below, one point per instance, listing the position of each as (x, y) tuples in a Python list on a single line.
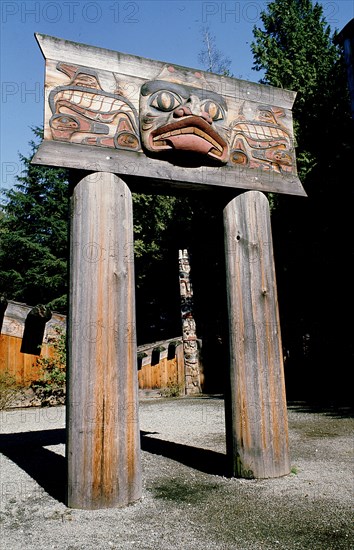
[(165, 30)]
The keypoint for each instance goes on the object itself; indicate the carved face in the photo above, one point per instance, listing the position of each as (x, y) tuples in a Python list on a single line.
[(183, 123)]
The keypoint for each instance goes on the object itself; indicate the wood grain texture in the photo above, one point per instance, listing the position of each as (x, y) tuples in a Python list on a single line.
[(21, 366), (146, 69), (101, 99), (180, 368), (103, 445), (257, 429), (148, 175)]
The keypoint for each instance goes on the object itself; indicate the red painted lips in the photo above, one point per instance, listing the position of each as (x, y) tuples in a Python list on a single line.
[(190, 133)]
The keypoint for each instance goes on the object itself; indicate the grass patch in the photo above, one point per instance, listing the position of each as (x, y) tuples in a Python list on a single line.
[(178, 491), (172, 390)]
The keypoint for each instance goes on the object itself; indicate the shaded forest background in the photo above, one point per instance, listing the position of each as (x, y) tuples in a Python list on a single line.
[(294, 48)]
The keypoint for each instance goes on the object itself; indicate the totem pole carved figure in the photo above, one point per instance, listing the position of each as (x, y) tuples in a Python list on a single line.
[(189, 334), (261, 141)]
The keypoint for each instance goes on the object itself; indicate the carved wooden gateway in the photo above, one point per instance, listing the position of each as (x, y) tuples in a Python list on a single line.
[(130, 123)]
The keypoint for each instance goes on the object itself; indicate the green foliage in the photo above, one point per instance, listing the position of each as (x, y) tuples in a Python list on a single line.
[(9, 390), (291, 46), (173, 389), (34, 245), (296, 51), (156, 232), (52, 378), (152, 217), (34, 239), (33, 229)]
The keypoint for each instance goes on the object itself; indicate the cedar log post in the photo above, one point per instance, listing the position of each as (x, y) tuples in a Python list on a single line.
[(103, 445), (257, 428)]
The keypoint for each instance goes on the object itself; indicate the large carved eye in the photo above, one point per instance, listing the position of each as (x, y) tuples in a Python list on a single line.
[(266, 116), (86, 81), (213, 109), (64, 122), (165, 101)]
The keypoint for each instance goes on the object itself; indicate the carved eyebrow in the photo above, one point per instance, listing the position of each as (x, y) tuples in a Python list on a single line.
[(184, 91)]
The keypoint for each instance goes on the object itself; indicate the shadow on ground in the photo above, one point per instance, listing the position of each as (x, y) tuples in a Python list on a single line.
[(48, 469), (333, 410), (204, 460)]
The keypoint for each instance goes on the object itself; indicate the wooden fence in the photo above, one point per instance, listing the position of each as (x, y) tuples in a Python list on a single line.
[(160, 365)]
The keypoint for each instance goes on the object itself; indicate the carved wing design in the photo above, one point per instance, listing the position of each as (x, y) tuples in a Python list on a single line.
[(261, 141), (82, 112)]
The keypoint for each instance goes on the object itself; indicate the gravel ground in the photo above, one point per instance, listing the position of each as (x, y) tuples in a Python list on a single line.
[(187, 503)]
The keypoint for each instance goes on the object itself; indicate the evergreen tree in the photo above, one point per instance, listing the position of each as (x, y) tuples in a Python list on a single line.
[(34, 247), (295, 50), (33, 231)]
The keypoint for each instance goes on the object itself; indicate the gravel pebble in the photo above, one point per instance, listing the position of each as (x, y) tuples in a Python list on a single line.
[(187, 503)]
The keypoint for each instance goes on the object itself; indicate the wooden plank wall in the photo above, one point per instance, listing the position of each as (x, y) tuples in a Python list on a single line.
[(12, 360), (160, 375), (17, 364), (157, 369)]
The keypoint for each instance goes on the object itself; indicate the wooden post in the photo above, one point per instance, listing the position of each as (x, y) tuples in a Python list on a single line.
[(103, 445), (180, 368), (257, 429)]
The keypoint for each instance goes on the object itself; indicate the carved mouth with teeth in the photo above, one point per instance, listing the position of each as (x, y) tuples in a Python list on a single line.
[(191, 133), (94, 105), (262, 135)]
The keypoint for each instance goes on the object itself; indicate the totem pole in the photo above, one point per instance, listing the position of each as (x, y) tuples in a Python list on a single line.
[(189, 333)]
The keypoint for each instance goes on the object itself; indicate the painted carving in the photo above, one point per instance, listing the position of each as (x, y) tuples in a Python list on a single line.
[(82, 112), (182, 121), (260, 140)]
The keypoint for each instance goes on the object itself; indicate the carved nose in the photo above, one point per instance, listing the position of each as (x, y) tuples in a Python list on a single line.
[(181, 111), (186, 110)]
